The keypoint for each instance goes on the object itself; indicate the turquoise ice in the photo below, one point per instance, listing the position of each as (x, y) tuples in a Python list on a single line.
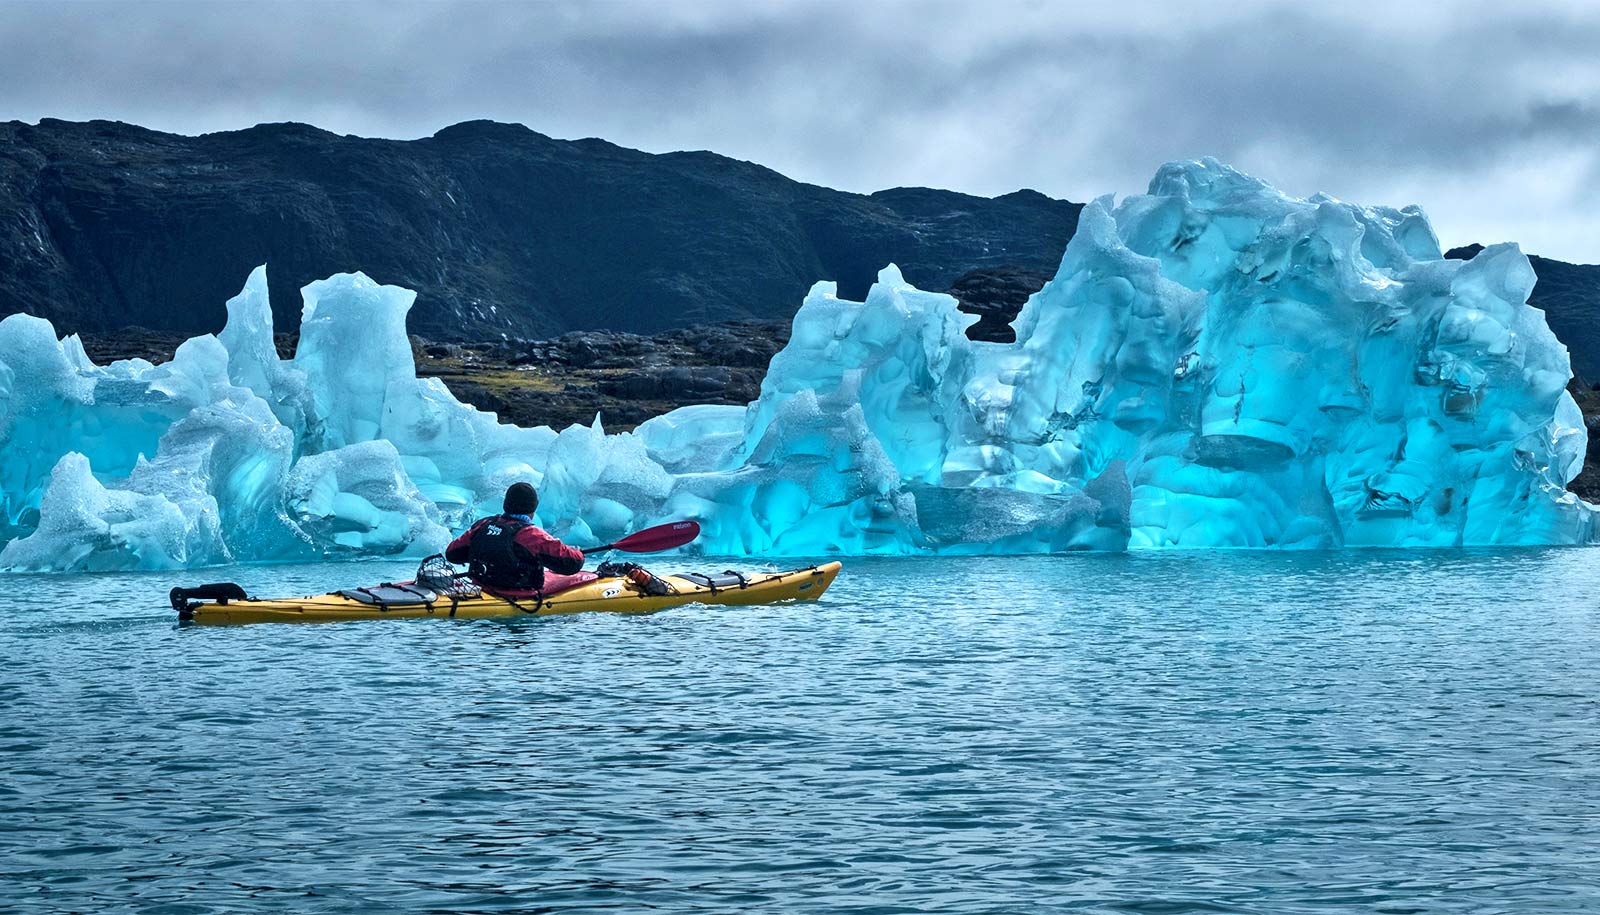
[(1214, 365)]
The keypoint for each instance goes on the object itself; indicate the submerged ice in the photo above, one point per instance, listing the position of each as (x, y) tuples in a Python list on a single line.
[(1214, 365)]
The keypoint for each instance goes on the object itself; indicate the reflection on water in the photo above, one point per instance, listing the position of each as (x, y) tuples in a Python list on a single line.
[(1249, 732)]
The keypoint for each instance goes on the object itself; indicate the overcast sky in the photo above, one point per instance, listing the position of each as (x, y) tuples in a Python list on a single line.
[(1486, 114)]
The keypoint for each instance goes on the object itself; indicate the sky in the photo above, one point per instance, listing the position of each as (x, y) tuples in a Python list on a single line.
[(1485, 114)]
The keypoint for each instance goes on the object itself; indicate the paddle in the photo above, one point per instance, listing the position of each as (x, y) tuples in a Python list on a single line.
[(654, 539)]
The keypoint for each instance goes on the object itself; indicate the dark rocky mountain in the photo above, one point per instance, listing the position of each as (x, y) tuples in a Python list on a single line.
[(501, 230), (505, 232), (1569, 295)]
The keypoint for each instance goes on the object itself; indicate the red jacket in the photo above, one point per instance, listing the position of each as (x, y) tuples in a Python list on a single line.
[(541, 548)]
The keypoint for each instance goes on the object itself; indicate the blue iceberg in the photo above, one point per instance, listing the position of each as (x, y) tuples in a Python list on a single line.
[(1214, 365)]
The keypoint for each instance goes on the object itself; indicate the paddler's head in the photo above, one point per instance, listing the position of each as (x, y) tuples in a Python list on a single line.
[(521, 499)]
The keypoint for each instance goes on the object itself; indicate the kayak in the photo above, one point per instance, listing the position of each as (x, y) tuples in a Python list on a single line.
[(226, 604)]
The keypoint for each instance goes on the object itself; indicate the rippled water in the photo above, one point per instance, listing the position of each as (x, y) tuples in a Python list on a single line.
[(1236, 732)]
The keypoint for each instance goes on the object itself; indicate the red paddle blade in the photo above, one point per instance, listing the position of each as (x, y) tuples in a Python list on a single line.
[(660, 537)]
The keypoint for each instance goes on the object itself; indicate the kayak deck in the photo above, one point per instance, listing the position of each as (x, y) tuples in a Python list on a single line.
[(610, 595)]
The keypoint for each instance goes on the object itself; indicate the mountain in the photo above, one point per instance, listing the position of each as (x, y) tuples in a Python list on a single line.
[(500, 230), (1569, 295), (505, 232)]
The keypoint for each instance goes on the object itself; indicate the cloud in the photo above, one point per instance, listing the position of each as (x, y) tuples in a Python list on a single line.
[(1486, 115)]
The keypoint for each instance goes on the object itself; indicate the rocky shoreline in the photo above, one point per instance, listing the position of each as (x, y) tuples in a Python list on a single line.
[(623, 378)]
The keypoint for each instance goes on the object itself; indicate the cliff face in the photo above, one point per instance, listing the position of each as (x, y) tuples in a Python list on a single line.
[(501, 230)]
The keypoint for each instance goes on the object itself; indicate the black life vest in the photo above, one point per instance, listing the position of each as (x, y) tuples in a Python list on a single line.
[(495, 560)]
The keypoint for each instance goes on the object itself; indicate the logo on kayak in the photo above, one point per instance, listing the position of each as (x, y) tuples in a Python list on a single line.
[(611, 592), (805, 587)]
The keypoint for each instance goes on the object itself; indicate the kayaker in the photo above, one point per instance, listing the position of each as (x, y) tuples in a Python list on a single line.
[(508, 552)]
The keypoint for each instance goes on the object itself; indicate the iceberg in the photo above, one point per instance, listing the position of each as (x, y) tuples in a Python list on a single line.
[(1214, 365)]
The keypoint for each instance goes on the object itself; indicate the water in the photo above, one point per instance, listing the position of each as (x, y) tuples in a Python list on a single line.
[(1245, 732)]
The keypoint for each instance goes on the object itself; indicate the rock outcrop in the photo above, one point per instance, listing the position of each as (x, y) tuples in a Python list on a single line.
[(995, 296)]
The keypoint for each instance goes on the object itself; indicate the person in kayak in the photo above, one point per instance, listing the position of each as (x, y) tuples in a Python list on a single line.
[(507, 552)]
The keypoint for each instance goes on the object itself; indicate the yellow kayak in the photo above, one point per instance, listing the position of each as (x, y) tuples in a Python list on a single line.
[(226, 604)]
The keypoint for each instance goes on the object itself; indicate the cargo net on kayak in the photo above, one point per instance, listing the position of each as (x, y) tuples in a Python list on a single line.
[(647, 581), (437, 573)]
